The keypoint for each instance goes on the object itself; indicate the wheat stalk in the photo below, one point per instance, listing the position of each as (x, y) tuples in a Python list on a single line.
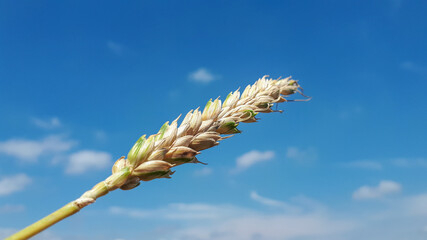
[(153, 157)]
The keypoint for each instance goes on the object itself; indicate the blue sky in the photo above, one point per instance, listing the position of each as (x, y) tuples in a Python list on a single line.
[(81, 81)]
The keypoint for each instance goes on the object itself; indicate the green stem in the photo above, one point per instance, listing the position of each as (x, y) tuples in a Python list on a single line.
[(46, 222), (113, 182)]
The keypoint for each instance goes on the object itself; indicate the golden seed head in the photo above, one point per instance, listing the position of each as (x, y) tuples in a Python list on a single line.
[(153, 157)]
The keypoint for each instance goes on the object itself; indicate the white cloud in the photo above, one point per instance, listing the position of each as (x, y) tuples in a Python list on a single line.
[(230, 222), (396, 219), (200, 221), (6, 232), (251, 158), (383, 189), (416, 205), (30, 150), (407, 162), (11, 208), (265, 201), (365, 164), (397, 162), (302, 156), (181, 211), (87, 160), (273, 203), (205, 171), (47, 123), (268, 227), (130, 212), (116, 48), (202, 75), (14, 183)]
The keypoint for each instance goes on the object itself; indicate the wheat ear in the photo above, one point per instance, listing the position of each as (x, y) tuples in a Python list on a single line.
[(153, 157)]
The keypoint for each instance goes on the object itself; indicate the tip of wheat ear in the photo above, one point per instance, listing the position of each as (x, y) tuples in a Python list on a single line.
[(175, 144)]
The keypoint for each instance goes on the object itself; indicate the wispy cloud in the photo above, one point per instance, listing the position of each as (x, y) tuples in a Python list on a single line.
[(365, 164), (48, 235), (416, 205), (251, 158), (115, 47), (224, 222), (302, 156), (47, 123), (350, 112), (409, 162), (100, 135), (14, 183), (85, 160), (180, 211), (6, 232), (273, 203), (30, 150), (45, 235), (202, 75), (198, 221), (414, 68), (205, 171), (383, 189), (396, 162), (400, 216), (395, 5), (267, 226), (174, 94), (11, 208)]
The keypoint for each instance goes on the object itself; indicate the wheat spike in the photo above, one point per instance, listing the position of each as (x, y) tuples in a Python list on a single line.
[(173, 145), (154, 157)]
